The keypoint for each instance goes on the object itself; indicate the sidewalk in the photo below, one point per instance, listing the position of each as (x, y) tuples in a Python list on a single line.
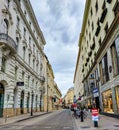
[(19, 118), (104, 123)]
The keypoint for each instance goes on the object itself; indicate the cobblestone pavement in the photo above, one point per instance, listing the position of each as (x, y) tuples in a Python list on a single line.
[(59, 120)]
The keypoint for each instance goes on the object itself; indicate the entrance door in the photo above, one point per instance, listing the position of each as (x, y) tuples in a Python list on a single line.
[(28, 102), (36, 102), (1, 99), (22, 102)]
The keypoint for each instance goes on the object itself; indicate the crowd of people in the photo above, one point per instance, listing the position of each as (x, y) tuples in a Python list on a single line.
[(79, 113)]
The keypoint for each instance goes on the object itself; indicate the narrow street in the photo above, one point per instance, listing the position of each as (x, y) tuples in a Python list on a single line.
[(58, 120)]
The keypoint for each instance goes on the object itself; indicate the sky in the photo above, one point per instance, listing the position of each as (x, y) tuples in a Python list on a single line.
[(61, 22)]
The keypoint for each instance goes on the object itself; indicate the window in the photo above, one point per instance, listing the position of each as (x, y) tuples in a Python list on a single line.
[(29, 58), (33, 48), (18, 21), (106, 28), (96, 6), (24, 52), (28, 81), (107, 101), (92, 26), (8, 1), (33, 63), (91, 12), (103, 65), (3, 67), (5, 26), (115, 56), (33, 83), (29, 40), (37, 67), (23, 76), (17, 40), (117, 97), (16, 72), (104, 5), (24, 32), (100, 42)]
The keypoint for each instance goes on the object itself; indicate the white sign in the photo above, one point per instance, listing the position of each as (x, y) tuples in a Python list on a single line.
[(95, 118)]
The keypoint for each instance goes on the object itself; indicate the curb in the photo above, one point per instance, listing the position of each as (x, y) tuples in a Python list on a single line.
[(33, 116)]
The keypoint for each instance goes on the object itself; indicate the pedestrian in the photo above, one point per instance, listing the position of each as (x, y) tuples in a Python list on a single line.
[(81, 115)]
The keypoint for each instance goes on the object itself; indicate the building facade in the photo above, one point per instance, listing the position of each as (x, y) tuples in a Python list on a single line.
[(21, 59), (69, 97), (52, 94), (100, 39)]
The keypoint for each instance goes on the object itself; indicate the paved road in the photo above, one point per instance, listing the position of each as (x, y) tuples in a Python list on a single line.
[(58, 120)]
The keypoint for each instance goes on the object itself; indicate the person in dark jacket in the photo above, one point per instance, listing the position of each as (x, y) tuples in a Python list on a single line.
[(81, 115)]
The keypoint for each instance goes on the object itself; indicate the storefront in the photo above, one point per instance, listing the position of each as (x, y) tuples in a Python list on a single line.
[(107, 101), (117, 98)]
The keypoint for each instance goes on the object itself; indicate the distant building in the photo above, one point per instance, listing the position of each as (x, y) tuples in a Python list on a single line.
[(69, 97)]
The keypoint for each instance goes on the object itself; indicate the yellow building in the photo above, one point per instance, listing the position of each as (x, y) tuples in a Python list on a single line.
[(99, 43), (69, 97), (52, 94)]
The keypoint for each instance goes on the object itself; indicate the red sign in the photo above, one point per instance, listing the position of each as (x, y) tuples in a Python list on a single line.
[(94, 112)]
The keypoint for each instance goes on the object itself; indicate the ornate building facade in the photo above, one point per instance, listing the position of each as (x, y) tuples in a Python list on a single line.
[(99, 43), (21, 59)]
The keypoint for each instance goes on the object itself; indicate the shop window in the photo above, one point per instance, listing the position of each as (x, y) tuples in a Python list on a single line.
[(115, 56), (117, 97), (107, 101)]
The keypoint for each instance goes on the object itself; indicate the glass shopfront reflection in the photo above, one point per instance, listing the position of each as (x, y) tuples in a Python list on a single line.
[(107, 101), (117, 97)]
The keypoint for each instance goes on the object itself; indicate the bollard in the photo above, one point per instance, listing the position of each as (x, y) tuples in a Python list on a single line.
[(95, 123)]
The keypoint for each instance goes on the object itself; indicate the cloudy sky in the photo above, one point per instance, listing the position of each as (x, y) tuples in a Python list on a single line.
[(60, 22)]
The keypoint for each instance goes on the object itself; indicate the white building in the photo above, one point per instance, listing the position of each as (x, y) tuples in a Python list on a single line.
[(21, 58)]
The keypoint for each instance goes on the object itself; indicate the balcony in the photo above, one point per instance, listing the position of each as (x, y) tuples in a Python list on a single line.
[(103, 15), (8, 41)]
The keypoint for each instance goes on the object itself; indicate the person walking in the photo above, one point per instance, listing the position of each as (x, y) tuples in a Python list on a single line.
[(82, 115)]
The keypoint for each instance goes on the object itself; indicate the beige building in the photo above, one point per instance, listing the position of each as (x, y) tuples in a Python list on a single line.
[(52, 94), (100, 39), (23, 68), (69, 97)]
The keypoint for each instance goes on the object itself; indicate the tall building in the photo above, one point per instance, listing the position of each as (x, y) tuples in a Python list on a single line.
[(98, 43), (21, 58)]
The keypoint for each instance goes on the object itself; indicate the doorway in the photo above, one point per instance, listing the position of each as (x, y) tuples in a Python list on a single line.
[(28, 97), (1, 99), (22, 102)]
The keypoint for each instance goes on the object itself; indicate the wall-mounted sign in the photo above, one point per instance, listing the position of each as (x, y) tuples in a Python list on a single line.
[(95, 92), (19, 83)]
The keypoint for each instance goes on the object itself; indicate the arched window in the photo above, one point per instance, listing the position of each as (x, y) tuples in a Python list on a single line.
[(5, 26)]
